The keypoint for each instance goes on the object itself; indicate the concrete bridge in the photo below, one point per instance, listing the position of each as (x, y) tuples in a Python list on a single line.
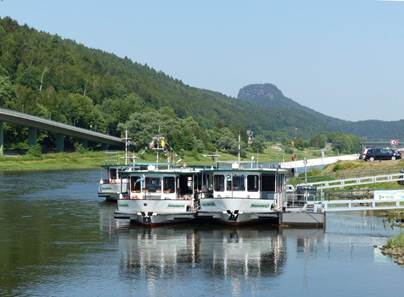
[(61, 130)]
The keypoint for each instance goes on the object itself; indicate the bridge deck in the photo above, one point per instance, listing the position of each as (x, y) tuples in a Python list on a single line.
[(27, 120)]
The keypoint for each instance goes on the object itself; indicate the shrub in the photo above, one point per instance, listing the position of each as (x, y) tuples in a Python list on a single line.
[(35, 151), (80, 148)]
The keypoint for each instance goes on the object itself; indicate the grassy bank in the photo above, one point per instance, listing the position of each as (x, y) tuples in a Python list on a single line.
[(395, 248), (89, 159), (396, 242), (351, 169), (55, 161)]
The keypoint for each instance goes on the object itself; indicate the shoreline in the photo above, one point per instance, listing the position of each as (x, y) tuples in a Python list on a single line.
[(53, 162), (395, 249)]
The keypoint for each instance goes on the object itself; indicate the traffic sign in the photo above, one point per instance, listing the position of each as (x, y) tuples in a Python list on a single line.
[(394, 142)]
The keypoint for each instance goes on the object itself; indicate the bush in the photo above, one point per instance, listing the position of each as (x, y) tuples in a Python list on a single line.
[(396, 242), (341, 165), (35, 151), (80, 148), (288, 150), (258, 145)]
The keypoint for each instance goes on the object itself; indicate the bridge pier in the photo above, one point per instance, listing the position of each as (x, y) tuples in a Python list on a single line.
[(1, 138), (32, 136), (60, 143)]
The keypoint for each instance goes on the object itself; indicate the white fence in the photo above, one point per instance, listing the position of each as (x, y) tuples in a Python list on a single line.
[(349, 182), (361, 205)]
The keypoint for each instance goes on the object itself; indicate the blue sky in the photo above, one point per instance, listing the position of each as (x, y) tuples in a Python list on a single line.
[(342, 58)]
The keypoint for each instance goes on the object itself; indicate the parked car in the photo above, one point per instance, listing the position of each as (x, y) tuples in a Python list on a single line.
[(373, 154)]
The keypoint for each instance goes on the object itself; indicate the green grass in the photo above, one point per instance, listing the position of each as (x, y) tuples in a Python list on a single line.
[(54, 161), (351, 169), (89, 159), (396, 242)]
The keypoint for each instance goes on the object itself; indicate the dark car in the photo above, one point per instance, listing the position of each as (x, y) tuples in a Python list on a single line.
[(373, 154)]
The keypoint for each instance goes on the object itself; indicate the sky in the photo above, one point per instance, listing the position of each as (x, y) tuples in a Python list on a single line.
[(344, 58)]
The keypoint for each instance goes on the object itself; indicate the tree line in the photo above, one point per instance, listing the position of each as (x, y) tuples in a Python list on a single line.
[(59, 79)]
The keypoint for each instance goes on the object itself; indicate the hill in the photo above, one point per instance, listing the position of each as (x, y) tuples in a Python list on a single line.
[(57, 78), (287, 111), (52, 77), (270, 97)]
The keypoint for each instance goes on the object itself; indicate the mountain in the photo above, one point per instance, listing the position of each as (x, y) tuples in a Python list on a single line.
[(52, 77), (268, 96), (44, 72), (286, 111)]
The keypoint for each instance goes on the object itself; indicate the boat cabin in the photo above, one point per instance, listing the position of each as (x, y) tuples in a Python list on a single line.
[(245, 183), (161, 184), (113, 173)]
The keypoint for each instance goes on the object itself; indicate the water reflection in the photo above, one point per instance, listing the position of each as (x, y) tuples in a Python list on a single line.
[(59, 239), (222, 252)]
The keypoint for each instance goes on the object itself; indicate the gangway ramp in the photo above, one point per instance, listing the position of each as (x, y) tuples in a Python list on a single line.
[(356, 181)]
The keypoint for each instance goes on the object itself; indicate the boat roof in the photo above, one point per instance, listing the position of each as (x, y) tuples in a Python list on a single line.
[(185, 170), (247, 170), (166, 168), (188, 170), (137, 164)]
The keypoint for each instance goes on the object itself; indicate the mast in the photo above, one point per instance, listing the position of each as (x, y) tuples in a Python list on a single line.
[(126, 146), (158, 148), (239, 147)]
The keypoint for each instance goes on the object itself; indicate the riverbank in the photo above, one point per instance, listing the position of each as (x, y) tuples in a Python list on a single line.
[(56, 161), (346, 169), (93, 159), (395, 248)]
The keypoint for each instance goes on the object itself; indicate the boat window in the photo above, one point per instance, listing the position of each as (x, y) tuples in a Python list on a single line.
[(219, 183), (238, 183), (169, 184), (228, 183), (153, 184), (252, 183), (268, 183), (135, 182), (113, 173), (185, 185)]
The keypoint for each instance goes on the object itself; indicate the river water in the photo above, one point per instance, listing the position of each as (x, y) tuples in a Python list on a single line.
[(58, 239)]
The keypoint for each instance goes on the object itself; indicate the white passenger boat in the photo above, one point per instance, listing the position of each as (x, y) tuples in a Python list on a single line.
[(239, 195), (111, 186), (158, 196)]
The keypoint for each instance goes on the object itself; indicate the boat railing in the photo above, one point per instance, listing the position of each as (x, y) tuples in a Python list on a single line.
[(204, 194), (247, 165), (295, 200), (152, 196), (104, 181)]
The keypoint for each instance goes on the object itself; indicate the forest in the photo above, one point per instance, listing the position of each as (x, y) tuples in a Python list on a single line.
[(60, 79)]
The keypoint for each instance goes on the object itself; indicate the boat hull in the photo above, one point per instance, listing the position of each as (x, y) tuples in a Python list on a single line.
[(235, 211), (155, 212)]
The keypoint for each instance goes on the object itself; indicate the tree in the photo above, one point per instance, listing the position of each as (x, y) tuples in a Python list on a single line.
[(345, 143), (80, 111), (318, 141), (258, 144), (6, 91)]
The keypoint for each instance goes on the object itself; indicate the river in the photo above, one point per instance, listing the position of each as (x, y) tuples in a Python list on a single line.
[(58, 239)]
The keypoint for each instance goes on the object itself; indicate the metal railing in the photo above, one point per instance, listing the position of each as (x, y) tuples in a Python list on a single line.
[(349, 182)]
